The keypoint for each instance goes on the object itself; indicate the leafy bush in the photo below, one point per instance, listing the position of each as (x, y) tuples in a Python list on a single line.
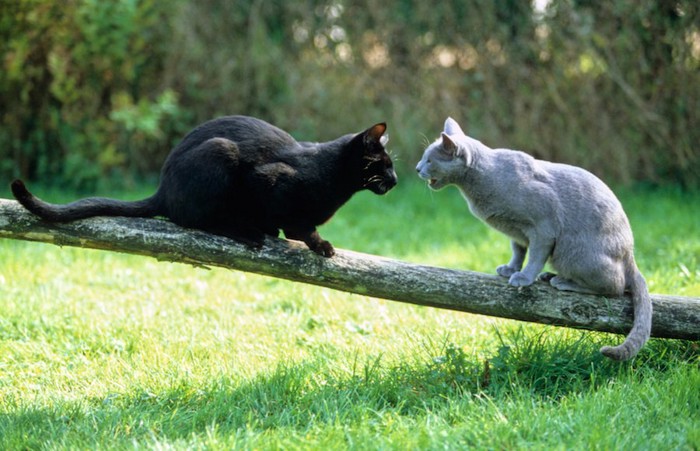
[(92, 88), (67, 68)]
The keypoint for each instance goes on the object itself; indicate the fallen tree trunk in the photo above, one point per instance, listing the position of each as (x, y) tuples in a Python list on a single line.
[(674, 316)]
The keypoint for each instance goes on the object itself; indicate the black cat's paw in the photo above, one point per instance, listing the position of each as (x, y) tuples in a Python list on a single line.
[(313, 240), (323, 248)]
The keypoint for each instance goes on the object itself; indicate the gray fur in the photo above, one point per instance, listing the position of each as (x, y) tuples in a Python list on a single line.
[(555, 212)]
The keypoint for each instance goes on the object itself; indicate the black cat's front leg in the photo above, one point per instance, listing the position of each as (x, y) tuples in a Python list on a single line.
[(313, 240)]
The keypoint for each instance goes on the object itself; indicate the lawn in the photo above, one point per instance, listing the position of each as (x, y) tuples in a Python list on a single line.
[(111, 351)]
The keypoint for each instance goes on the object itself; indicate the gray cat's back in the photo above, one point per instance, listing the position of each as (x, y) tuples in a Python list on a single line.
[(511, 188), (590, 206), (508, 189)]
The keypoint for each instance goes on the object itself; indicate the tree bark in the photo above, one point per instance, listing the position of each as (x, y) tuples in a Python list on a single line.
[(467, 291)]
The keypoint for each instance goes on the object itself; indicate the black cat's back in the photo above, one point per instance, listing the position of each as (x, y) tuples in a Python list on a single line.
[(254, 137), (197, 186)]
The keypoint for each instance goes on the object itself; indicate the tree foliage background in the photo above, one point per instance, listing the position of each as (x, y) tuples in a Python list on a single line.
[(95, 90)]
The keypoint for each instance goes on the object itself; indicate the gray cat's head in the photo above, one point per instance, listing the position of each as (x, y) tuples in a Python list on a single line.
[(444, 161)]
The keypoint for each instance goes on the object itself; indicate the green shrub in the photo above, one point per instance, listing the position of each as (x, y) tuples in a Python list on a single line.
[(97, 88)]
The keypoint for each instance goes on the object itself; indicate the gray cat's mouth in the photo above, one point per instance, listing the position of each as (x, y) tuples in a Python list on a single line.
[(432, 182)]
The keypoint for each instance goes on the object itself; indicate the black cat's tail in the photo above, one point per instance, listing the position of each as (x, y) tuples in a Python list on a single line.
[(641, 327), (84, 208)]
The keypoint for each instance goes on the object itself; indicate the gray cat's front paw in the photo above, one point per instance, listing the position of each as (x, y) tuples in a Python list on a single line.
[(505, 271), (519, 279)]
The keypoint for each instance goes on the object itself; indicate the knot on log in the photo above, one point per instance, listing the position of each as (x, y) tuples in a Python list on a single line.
[(580, 313)]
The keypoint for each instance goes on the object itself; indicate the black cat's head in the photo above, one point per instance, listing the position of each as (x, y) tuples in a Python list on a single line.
[(378, 173)]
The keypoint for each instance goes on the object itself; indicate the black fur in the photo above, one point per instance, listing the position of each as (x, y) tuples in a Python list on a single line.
[(243, 178)]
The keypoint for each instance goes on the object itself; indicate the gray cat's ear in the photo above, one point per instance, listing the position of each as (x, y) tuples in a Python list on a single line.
[(449, 148), (374, 134), (452, 127)]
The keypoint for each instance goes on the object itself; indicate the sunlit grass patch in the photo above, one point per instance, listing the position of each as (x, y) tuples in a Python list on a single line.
[(104, 350)]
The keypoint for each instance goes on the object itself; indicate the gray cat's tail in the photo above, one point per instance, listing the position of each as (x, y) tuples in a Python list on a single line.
[(84, 208), (641, 328)]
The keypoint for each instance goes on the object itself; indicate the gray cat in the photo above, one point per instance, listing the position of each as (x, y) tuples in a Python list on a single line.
[(557, 212)]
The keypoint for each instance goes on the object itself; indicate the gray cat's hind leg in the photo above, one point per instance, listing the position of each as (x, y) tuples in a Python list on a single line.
[(564, 284), (546, 276), (590, 274)]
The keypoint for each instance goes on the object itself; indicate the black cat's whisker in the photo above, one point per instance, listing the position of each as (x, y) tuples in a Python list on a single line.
[(374, 179)]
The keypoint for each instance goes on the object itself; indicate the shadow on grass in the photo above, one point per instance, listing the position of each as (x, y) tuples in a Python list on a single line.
[(311, 395)]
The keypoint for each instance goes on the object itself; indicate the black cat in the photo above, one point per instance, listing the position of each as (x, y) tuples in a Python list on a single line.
[(243, 178)]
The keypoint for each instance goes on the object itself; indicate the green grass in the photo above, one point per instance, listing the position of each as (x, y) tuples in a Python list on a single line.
[(111, 351)]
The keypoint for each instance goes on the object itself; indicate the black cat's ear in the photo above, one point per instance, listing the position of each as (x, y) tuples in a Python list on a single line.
[(449, 147), (374, 134)]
